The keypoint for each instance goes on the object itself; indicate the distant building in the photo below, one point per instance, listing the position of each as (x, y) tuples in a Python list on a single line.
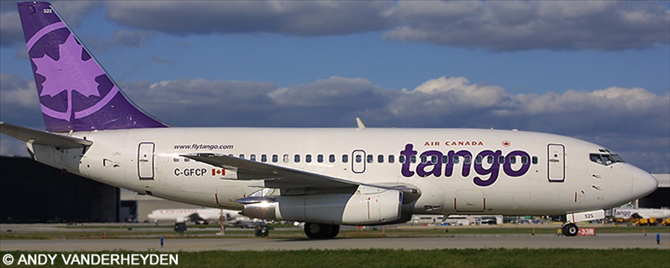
[(145, 204), (659, 198), (31, 192)]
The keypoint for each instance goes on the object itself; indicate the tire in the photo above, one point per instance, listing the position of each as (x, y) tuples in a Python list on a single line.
[(333, 230), (570, 229), (313, 230), (321, 231)]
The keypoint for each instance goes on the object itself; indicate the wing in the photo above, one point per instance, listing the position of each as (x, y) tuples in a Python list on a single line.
[(195, 217), (274, 176), (43, 137)]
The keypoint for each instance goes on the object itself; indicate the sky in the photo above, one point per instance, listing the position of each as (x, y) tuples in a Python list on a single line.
[(594, 70)]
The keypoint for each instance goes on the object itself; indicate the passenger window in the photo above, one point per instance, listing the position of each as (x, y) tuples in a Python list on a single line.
[(489, 159), (478, 159), (331, 158), (424, 159), (512, 160), (524, 160), (445, 159), (412, 159), (252, 157), (391, 159), (275, 158), (467, 159), (296, 158), (319, 158), (241, 156), (380, 159), (308, 158), (456, 159), (359, 158), (402, 159), (189, 159), (534, 159), (433, 159), (370, 158), (176, 159), (501, 160), (345, 158), (264, 158), (285, 158)]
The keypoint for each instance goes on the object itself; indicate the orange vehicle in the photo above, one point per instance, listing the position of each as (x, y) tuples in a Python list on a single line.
[(646, 222)]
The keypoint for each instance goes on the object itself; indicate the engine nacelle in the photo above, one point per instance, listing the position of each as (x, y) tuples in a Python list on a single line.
[(368, 205)]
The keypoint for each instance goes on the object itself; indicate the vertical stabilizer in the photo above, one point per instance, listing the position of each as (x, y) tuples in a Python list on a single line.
[(75, 92)]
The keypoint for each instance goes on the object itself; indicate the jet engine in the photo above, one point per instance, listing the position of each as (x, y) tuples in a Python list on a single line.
[(368, 205)]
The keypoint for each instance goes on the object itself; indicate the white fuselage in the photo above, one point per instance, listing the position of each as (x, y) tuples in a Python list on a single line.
[(184, 214), (520, 173), (626, 213)]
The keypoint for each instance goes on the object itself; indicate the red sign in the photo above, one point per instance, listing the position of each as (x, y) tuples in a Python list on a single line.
[(587, 232)]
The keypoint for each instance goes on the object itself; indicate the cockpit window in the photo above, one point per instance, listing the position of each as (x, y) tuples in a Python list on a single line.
[(605, 158)]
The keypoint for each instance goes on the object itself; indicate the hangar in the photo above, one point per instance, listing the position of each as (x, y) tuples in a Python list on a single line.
[(659, 198), (31, 192)]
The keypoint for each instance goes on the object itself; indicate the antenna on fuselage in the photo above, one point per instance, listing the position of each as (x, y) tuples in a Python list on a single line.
[(360, 123)]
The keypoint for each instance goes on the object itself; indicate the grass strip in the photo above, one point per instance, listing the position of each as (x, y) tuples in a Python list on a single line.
[(479, 258)]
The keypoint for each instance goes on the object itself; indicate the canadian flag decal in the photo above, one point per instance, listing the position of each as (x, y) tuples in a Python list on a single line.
[(218, 171)]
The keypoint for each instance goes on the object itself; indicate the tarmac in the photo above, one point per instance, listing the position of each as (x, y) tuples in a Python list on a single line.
[(600, 241), (278, 241)]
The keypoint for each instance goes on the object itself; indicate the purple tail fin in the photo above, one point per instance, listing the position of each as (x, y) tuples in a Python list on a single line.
[(75, 93)]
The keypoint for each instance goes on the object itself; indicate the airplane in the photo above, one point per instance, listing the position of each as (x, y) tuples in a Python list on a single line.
[(195, 215), (204, 216), (324, 177), (626, 213)]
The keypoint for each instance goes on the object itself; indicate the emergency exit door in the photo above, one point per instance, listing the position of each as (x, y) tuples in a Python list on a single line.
[(358, 161)]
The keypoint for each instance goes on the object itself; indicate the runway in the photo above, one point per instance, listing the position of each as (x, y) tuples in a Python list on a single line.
[(603, 241)]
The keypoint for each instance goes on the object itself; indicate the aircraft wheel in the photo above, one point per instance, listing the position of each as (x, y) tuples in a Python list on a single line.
[(570, 229), (313, 230), (333, 230), (321, 231)]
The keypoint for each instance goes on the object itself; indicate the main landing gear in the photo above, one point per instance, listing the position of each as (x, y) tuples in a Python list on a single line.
[(321, 231), (570, 229)]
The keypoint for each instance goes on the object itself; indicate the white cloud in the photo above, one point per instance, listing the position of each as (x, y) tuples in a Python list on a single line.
[(10, 29), (613, 100), (17, 92), (302, 18), (490, 25), (553, 25), (335, 91)]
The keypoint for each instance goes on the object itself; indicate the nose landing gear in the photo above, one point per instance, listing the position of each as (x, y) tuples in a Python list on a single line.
[(570, 229)]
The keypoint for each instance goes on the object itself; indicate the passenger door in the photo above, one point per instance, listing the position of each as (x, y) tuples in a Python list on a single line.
[(556, 164), (145, 160)]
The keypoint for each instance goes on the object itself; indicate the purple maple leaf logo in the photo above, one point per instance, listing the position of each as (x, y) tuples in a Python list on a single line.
[(68, 73)]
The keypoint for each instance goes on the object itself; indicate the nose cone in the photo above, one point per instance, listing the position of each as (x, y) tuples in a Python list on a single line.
[(643, 183)]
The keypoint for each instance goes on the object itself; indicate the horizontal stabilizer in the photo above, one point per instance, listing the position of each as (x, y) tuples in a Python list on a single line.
[(42, 137)]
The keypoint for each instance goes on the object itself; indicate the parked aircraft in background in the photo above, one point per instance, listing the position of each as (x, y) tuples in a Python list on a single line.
[(195, 215), (324, 177), (205, 216), (658, 213)]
